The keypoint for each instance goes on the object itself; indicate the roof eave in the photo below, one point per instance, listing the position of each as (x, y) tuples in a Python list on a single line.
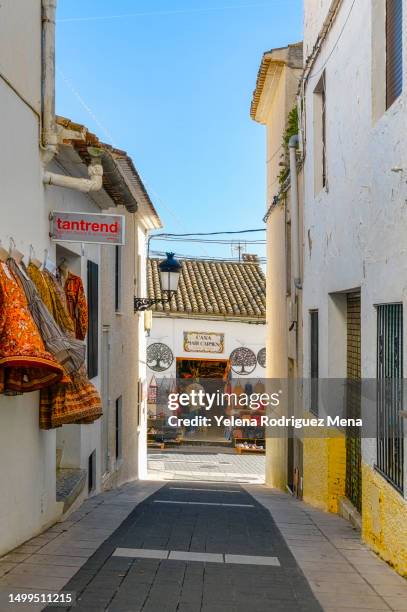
[(277, 59), (123, 190)]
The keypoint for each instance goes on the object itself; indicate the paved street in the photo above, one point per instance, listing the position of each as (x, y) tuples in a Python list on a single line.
[(190, 548), (202, 547), (204, 464)]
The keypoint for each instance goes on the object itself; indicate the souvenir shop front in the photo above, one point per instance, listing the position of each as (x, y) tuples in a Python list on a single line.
[(217, 356), (50, 331), (44, 375)]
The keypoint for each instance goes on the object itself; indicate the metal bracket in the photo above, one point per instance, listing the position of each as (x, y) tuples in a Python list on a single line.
[(145, 303)]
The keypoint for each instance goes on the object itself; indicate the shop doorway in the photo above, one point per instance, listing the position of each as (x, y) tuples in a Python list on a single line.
[(197, 452), (206, 375)]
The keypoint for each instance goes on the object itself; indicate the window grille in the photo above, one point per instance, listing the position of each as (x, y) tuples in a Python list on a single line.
[(390, 441)]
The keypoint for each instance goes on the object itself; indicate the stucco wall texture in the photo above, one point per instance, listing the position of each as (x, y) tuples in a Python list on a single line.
[(384, 519), (324, 471), (355, 228)]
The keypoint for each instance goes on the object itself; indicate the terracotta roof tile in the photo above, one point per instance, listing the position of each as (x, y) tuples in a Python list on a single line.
[(215, 288)]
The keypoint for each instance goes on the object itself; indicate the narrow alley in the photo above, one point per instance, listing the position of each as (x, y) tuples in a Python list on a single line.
[(200, 547)]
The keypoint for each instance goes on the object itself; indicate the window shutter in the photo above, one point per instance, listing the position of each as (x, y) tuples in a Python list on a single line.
[(93, 318), (394, 50)]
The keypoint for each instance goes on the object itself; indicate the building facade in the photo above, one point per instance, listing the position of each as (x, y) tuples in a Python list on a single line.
[(354, 285), (52, 164), (213, 328), (274, 105)]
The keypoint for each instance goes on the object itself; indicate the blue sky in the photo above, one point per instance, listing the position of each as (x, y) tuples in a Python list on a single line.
[(170, 82)]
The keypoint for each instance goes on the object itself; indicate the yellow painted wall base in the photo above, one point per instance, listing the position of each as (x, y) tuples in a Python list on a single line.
[(384, 519), (324, 472), (276, 463)]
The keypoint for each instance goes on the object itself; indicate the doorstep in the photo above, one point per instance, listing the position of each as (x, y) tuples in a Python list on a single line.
[(349, 512), (70, 483)]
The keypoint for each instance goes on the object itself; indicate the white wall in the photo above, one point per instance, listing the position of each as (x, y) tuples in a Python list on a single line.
[(315, 12), (27, 454), (358, 226), (20, 48), (142, 373), (126, 356)]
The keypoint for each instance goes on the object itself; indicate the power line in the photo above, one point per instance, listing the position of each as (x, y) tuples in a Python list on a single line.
[(209, 241), (200, 257), (247, 231)]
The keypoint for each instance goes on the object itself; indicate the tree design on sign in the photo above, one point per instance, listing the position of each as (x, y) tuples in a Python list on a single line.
[(242, 360), (159, 357), (261, 357)]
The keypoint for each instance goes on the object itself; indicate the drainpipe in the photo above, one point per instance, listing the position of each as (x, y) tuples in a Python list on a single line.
[(49, 140), (93, 183), (292, 145), (49, 135)]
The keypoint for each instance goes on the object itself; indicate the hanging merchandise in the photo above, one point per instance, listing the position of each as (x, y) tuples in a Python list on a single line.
[(25, 365), (78, 400), (77, 304), (59, 306), (69, 352), (36, 276)]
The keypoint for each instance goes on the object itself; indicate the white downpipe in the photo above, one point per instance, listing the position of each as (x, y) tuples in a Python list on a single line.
[(49, 139), (49, 136), (93, 183), (293, 143)]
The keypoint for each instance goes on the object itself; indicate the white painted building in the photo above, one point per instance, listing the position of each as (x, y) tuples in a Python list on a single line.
[(214, 327), (354, 123), (46, 165)]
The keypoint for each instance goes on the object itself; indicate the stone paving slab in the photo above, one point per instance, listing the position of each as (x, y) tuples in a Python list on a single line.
[(343, 572)]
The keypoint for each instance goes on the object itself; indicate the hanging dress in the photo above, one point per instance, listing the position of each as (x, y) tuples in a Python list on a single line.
[(36, 276), (77, 401), (59, 307), (70, 353), (77, 304), (25, 365)]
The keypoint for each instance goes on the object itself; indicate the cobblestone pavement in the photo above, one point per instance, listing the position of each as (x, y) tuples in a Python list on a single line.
[(202, 547), (208, 466)]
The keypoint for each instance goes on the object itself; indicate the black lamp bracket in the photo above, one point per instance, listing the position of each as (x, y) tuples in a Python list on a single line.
[(146, 303)]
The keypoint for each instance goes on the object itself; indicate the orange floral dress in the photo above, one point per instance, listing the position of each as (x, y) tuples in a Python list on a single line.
[(25, 365), (77, 304)]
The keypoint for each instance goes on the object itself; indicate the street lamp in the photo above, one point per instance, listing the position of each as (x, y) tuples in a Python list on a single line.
[(170, 270)]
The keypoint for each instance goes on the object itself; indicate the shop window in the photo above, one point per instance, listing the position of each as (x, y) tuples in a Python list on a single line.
[(93, 318), (118, 278), (118, 428), (314, 359), (320, 165), (394, 50)]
